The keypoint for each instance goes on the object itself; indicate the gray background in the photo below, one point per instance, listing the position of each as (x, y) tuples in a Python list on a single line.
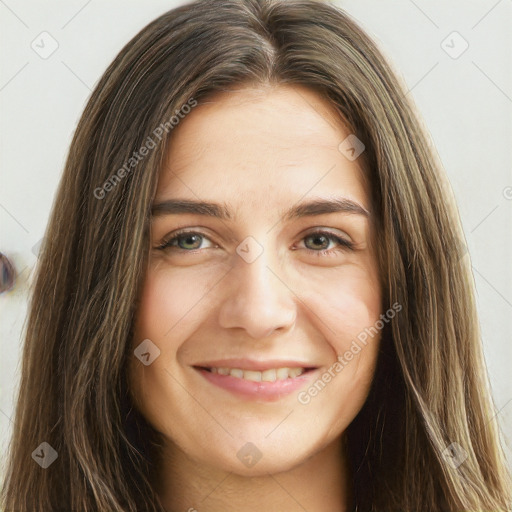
[(466, 103)]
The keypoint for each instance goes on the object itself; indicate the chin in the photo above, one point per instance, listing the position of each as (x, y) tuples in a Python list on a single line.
[(258, 458)]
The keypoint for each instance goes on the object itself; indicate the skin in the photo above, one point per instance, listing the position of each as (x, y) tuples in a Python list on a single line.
[(260, 151)]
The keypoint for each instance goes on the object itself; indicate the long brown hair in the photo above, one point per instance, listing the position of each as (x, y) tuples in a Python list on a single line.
[(430, 393)]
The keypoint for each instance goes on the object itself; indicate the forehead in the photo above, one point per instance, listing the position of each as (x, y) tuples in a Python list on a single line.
[(260, 147)]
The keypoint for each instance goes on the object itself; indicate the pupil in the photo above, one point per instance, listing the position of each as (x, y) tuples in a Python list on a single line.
[(321, 239)]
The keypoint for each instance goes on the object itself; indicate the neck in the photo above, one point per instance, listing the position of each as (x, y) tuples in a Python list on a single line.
[(322, 482)]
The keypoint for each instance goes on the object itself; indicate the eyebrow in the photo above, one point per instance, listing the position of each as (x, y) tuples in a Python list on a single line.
[(221, 211)]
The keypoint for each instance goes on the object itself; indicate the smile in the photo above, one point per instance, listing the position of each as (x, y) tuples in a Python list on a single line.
[(266, 384), (270, 375)]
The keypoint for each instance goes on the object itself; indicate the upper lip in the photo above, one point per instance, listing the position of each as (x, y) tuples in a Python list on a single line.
[(254, 365)]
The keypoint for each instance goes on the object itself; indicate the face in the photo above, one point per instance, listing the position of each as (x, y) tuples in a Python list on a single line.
[(254, 304)]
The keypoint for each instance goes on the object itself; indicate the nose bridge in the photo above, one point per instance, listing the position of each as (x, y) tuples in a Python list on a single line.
[(258, 300)]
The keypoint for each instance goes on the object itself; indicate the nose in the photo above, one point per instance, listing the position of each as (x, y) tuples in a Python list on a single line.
[(257, 299)]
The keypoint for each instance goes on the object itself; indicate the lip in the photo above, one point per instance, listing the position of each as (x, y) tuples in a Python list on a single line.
[(250, 390), (254, 365)]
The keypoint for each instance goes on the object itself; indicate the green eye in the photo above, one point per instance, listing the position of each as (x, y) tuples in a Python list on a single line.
[(189, 241), (186, 241), (324, 237)]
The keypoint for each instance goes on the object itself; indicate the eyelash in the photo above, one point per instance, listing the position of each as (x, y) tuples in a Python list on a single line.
[(342, 243)]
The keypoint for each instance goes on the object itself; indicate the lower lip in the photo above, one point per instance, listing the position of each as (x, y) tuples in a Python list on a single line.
[(257, 390)]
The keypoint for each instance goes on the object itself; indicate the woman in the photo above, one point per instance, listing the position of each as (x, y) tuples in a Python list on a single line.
[(254, 370)]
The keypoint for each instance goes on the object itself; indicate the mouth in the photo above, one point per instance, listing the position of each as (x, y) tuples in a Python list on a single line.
[(255, 380), (268, 375)]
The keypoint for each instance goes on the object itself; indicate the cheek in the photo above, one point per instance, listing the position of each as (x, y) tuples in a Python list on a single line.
[(348, 308), (171, 302), (346, 302), (168, 313)]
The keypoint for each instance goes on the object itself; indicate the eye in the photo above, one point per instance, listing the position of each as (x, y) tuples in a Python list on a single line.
[(191, 241), (323, 239), (185, 241)]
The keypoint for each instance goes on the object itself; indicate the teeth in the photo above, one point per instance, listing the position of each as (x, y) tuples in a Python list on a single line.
[(270, 375), (282, 373), (295, 372), (249, 375)]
